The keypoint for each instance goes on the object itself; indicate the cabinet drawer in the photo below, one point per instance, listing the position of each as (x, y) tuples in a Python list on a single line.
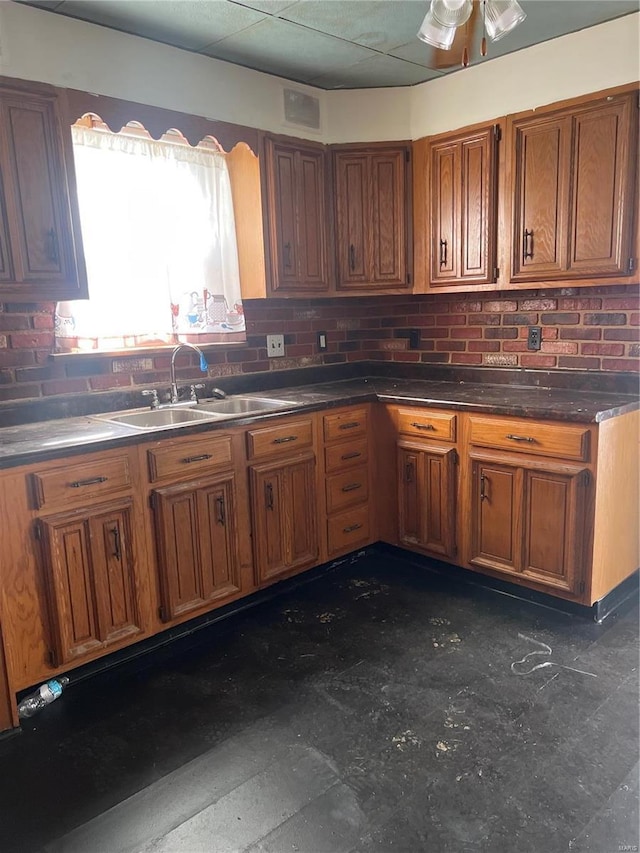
[(348, 530), (347, 489), (190, 457), (285, 438), (72, 483), (346, 455), (522, 436), (438, 426), (345, 425)]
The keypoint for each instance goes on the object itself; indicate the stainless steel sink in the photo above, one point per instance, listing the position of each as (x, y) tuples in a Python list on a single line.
[(159, 418), (240, 405)]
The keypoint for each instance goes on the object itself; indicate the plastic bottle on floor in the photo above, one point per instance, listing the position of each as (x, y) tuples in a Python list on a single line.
[(43, 696)]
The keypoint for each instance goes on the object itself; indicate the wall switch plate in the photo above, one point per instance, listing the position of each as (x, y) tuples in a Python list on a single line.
[(534, 337), (275, 346), (322, 341)]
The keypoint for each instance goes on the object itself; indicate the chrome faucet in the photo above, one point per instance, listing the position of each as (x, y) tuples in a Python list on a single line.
[(172, 369)]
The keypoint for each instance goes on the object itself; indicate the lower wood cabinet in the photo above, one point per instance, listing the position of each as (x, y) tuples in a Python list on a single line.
[(90, 579), (197, 544), (284, 510), (426, 497), (528, 519)]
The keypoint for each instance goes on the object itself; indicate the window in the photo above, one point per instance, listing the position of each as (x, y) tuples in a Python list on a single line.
[(159, 239)]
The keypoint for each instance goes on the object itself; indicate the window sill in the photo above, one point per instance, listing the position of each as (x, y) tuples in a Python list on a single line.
[(136, 352)]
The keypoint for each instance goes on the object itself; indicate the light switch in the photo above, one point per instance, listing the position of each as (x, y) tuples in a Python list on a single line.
[(275, 346)]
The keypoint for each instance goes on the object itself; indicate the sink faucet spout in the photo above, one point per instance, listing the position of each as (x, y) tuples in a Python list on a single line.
[(172, 369)]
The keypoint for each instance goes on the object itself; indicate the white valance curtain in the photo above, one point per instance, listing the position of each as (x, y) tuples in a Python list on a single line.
[(160, 245)]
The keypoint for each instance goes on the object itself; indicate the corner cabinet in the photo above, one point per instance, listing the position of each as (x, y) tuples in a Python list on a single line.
[(296, 220), (463, 198), (571, 179), (372, 220), (40, 245)]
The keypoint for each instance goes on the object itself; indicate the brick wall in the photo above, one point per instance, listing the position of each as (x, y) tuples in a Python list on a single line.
[(595, 328)]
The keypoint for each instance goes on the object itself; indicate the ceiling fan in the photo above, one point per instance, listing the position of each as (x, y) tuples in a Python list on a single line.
[(452, 26)]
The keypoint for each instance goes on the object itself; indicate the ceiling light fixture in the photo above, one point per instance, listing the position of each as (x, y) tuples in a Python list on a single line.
[(443, 18)]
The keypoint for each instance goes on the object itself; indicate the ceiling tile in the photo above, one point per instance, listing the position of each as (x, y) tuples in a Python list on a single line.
[(375, 72), (279, 47), (269, 7), (190, 24)]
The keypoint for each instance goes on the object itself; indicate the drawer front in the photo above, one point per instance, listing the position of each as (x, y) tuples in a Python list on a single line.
[(190, 457), (347, 489), (276, 440), (522, 436), (77, 483), (439, 426), (344, 425), (348, 530), (345, 455)]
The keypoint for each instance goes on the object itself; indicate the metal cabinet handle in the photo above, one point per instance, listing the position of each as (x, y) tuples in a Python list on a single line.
[(352, 257), (351, 528), (350, 425), (423, 426), (483, 494), (79, 483), (284, 439), (527, 244), (200, 458), (408, 472), (520, 438), (353, 455), (53, 253), (351, 487), (117, 550), (268, 494), (220, 509), (443, 252), (287, 255)]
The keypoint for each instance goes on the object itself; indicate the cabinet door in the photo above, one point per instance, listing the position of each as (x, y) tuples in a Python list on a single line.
[(496, 516), (388, 219), (602, 189), (426, 498), (478, 207), (352, 213), (311, 236), (553, 526), (445, 229), (284, 516), (197, 545), (541, 208), (282, 216), (37, 205), (89, 565)]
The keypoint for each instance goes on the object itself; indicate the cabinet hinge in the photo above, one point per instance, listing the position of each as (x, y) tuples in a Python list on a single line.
[(51, 657), (456, 457), (581, 586), (37, 531), (632, 264), (162, 613), (498, 132), (496, 272), (152, 500), (585, 478)]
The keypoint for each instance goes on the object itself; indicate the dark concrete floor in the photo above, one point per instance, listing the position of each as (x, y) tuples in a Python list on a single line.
[(376, 708)]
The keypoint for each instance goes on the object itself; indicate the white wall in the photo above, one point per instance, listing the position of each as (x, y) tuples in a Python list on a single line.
[(37, 45)]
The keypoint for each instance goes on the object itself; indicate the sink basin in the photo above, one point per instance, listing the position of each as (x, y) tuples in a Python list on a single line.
[(158, 418), (239, 405)]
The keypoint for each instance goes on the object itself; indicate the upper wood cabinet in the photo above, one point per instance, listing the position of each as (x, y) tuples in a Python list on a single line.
[(372, 222), (296, 218), (462, 207), (571, 180), (40, 246)]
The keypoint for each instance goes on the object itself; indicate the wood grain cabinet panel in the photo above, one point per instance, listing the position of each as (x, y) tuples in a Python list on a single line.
[(197, 544), (462, 229), (90, 578), (296, 220), (371, 206), (40, 244)]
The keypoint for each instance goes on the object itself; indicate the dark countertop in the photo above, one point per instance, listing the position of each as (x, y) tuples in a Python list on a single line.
[(55, 438)]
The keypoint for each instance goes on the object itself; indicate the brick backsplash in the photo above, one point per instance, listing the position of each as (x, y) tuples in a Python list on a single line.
[(596, 328)]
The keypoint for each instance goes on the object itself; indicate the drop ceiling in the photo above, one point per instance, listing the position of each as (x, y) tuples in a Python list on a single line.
[(331, 44)]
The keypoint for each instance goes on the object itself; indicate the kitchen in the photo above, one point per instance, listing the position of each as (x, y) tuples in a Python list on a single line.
[(586, 328)]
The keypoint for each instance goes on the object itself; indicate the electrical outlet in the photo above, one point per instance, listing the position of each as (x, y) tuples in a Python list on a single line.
[(275, 346), (534, 338), (322, 341)]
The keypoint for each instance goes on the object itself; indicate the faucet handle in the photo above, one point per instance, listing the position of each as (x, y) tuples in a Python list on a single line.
[(155, 402), (219, 393), (193, 389)]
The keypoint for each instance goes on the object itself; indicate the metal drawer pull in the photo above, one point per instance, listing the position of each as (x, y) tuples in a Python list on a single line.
[(78, 483), (423, 426), (200, 458), (408, 472), (527, 244), (483, 494), (220, 506), (443, 252), (352, 257), (287, 255), (285, 439), (520, 438), (351, 528), (351, 487), (268, 492), (353, 455), (117, 551), (350, 425), (53, 253)]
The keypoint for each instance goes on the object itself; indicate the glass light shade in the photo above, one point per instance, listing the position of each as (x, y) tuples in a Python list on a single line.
[(436, 34), (501, 16), (451, 13)]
